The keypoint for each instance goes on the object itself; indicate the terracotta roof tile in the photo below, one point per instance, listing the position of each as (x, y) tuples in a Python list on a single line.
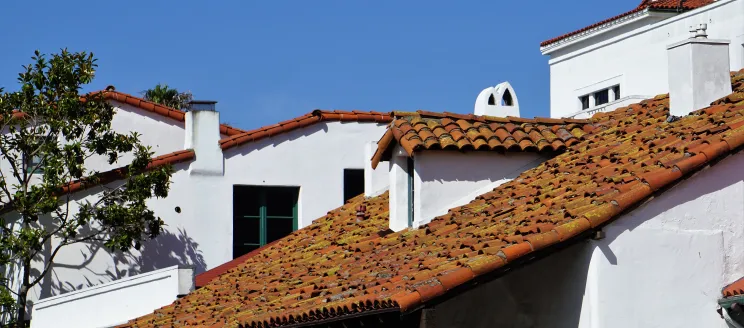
[(657, 5), (303, 121), (342, 265), (734, 289), (416, 131), (111, 94)]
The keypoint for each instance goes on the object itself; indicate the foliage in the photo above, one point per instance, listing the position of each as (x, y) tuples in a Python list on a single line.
[(50, 133), (166, 96)]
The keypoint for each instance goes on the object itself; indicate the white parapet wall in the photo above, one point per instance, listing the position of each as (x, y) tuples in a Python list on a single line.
[(113, 303)]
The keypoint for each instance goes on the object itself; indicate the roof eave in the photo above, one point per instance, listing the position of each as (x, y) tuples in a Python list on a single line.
[(599, 30)]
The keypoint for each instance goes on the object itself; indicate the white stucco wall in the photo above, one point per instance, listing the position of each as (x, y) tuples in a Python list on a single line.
[(313, 158), (164, 135), (200, 233), (375, 180), (635, 55), (662, 265), (113, 303), (447, 179)]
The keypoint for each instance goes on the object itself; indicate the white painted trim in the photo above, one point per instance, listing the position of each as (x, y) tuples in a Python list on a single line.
[(599, 30), (635, 32), (107, 287), (603, 84)]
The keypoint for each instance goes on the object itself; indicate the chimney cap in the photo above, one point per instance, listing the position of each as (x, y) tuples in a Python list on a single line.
[(699, 32), (201, 105)]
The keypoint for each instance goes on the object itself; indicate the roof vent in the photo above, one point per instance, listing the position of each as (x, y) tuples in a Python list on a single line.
[(699, 71), (195, 105), (500, 100)]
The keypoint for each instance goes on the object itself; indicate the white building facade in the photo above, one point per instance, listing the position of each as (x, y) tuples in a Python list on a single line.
[(232, 191), (625, 60)]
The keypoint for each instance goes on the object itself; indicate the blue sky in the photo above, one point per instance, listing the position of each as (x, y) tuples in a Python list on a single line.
[(267, 61)]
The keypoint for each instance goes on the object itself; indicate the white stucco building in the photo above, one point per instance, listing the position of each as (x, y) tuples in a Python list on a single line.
[(232, 190), (623, 60), (637, 224)]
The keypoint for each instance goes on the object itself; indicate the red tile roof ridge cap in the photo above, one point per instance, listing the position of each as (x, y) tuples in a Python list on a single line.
[(645, 5), (304, 120), (119, 173), (489, 118), (110, 93)]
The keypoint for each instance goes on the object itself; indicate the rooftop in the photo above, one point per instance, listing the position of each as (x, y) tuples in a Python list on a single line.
[(418, 131), (651, 5), (343, 265)]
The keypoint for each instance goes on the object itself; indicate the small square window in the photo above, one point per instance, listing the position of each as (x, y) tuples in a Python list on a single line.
[(584, 102), (602, 97)]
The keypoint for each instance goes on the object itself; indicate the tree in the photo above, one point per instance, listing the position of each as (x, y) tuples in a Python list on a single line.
[(166, 96), (50, 132)]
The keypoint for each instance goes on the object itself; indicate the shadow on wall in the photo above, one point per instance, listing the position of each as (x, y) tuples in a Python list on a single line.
[(100, 266), (550, 292), (277, 140)]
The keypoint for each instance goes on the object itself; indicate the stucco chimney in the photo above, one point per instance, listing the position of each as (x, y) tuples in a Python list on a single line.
[(500, 100), (203, 136), (699, 71)]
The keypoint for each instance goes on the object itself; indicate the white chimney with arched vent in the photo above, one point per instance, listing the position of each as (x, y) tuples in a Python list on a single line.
[(500, 100)]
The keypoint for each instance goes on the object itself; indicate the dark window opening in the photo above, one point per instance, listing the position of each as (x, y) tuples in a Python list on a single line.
[(602, 97), (507, 100), (492, 100), (411, 191), (584, 102), (262, 215), (616, 91), (353, 183)]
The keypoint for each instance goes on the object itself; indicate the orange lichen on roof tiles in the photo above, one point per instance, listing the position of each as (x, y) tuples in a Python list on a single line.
[(178, 115), (342, 265), (657, 5), (315, 116), (422, 130)]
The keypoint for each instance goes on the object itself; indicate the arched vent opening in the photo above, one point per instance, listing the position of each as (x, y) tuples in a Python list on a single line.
[(492, 100), (507, 99)]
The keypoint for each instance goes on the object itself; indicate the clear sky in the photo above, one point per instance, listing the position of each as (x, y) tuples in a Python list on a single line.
[(267, 61)]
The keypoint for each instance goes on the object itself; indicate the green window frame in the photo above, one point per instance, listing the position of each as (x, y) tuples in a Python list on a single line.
[(261, 215)]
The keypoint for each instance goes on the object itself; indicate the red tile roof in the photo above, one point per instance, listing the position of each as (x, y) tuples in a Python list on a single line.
[(106, 177), (734, 289), (342, 265), (111, 94), (120, 173), (315, 116), (421, 130), (656, 5), (205, 277)]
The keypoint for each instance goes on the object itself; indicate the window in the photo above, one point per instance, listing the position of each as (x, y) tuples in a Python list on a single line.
[(411, 191), (353, 183), (33, 164), (616, 91), (601, 97), (262, 215)]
